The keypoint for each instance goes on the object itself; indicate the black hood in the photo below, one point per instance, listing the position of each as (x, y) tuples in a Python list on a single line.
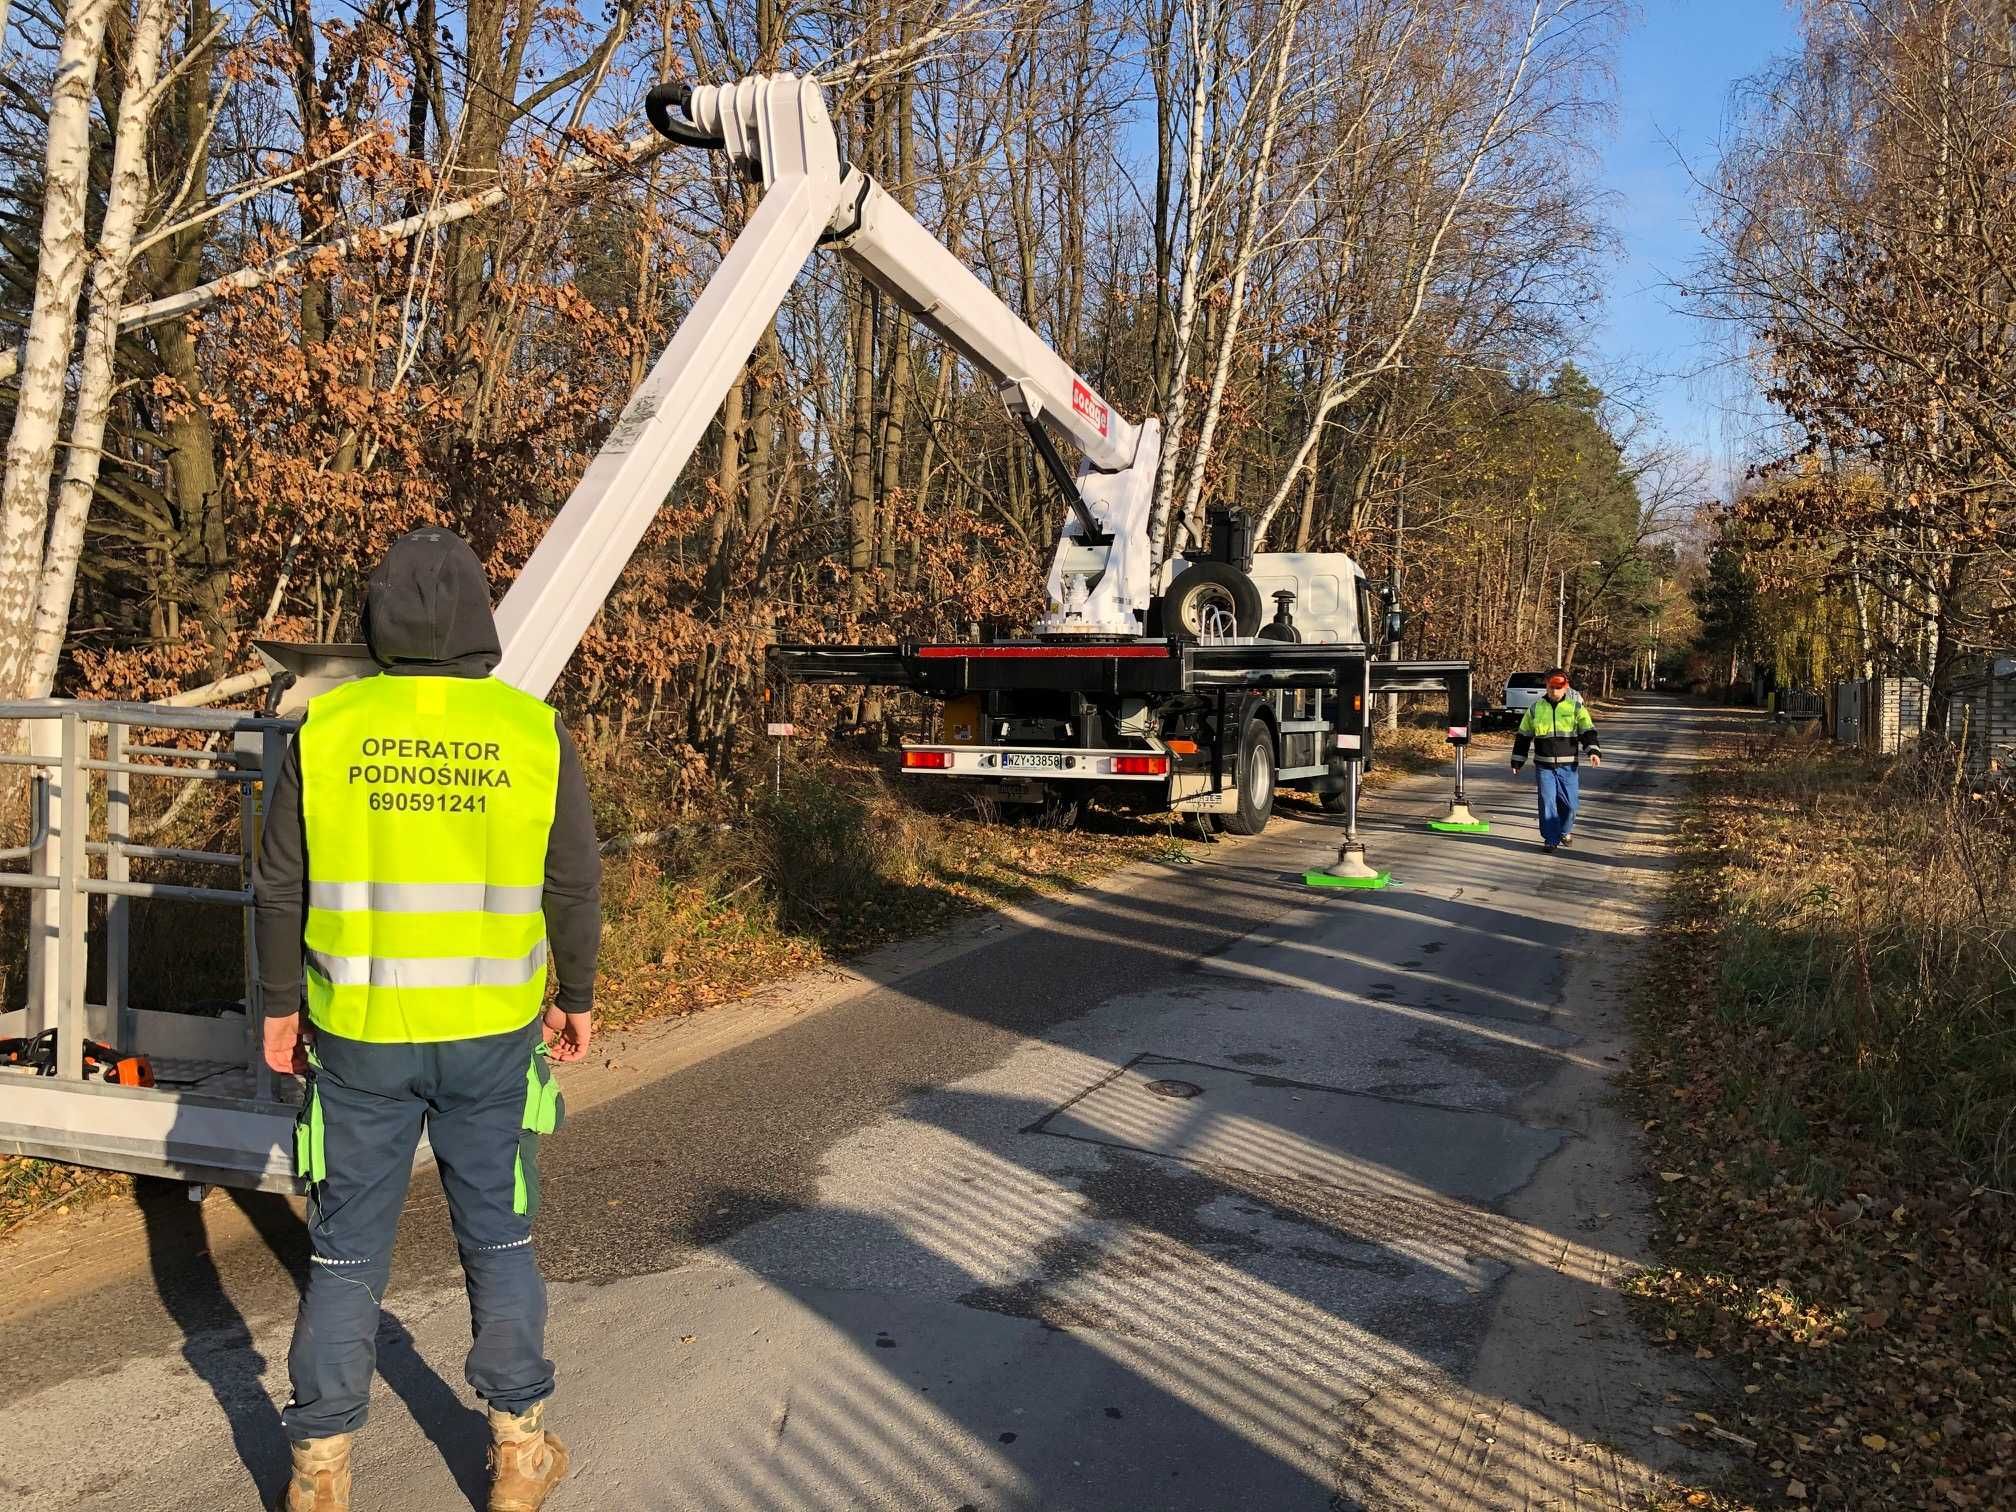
[(427, 608)]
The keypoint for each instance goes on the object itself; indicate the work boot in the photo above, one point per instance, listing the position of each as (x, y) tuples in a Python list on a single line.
[(526, 1462), (1567, 839), (321, 1478)]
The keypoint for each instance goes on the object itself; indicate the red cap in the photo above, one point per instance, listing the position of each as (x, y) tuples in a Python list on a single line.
[(1557, 681)]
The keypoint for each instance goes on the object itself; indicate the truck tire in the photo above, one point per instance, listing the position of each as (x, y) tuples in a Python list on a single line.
[(1205, 592), (1256, 780)]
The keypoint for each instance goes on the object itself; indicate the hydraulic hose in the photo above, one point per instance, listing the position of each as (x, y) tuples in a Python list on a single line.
[(667, 106)]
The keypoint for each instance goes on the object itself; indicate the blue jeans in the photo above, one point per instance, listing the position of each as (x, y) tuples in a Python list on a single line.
[(470, 1095), (1560, 790)]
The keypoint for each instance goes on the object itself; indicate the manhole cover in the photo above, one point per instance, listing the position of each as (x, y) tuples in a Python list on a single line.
[(1172, 1088)]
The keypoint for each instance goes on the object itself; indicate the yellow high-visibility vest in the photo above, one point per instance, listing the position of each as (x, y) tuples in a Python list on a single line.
[(427, 802), (1556, 730)]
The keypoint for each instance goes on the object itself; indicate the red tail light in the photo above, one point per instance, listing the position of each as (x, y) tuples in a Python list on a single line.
[(935, 761), (1140, 766)]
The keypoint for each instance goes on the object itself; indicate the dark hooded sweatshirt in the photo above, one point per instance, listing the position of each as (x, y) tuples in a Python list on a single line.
[(427, 613)]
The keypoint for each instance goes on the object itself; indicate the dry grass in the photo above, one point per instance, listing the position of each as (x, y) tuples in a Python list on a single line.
[(30, 1189), (1869, 914), (837, 861), (1827, 1070)]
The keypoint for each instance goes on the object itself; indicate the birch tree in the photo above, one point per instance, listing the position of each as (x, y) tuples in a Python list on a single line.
[(59, 279), (1255, 216), (1206, 34), (125, 201), (1424, 257)]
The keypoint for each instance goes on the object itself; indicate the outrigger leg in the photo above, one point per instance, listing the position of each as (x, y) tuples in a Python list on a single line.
[(1350, 868), (1459, 820)]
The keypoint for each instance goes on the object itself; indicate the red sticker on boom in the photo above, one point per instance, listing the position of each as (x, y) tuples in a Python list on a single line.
[(1087, 406)]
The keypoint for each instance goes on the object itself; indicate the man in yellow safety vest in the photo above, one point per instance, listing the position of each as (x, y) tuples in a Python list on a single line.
[(428, 850), (1558, 731)]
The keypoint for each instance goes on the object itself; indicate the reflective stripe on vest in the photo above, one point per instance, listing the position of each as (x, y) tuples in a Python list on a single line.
[(425, 897), (428, 803), (428, 971)]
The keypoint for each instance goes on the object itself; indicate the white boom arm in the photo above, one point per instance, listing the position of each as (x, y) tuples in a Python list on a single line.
[(777, 130)]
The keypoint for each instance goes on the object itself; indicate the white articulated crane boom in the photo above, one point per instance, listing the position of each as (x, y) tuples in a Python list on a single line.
[(776, 130)]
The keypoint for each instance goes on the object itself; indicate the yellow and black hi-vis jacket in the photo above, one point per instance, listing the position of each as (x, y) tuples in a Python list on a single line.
[(1556, 733)]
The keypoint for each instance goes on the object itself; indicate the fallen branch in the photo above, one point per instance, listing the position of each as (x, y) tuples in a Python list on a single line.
[(223, 688), (732, 892), (642, 840)]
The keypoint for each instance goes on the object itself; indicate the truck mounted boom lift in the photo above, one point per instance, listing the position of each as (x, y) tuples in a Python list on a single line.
[(776, 131), (1206, 715)]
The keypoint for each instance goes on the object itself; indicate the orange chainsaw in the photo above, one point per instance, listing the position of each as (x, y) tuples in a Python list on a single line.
[(101, 1061)]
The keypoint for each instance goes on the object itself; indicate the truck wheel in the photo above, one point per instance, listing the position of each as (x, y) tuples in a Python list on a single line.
[(1256, 780), (1209, 598)]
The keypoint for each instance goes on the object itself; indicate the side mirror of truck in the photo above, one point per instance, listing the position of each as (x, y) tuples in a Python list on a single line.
[(1395, 622)]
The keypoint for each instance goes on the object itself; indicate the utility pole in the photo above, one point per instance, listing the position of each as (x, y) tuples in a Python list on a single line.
[(1393, 578)]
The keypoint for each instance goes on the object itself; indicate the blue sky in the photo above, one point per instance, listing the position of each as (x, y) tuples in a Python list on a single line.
[(1674, 73)]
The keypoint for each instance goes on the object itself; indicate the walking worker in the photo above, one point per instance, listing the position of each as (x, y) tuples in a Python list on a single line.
[(427, 837), (1559, 732)]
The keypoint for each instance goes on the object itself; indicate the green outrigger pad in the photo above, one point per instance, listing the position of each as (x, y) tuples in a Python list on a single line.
[(1451, 827), (1324, 879)]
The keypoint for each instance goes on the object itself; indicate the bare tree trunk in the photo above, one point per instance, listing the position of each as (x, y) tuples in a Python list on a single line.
[(1204, 76), (52, 324), (126, 197), (1243, 254), (1161, 23), (1307, 524), (768, 378), (896, 384), (861, 454), (728, 476)]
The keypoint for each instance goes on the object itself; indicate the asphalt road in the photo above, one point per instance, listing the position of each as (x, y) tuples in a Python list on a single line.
[(1202, 1191)]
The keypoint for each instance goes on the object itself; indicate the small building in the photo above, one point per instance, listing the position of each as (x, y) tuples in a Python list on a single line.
[(1981, 720), (1880, 714)]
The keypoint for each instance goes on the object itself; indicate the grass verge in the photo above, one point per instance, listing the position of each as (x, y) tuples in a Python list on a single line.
[(31, 1189), (1826, 1070), (836, 861), (842, 858)]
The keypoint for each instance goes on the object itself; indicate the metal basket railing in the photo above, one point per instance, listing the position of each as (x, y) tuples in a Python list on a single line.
[(81, 846)]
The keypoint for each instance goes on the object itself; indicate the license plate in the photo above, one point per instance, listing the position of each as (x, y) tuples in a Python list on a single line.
[(1032, 761)]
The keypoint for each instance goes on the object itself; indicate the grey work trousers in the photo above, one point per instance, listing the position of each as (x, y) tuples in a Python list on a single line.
[(471, 1097)]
